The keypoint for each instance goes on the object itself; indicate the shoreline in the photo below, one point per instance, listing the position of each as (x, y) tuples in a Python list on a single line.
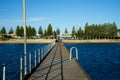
[(29, 41), (93, 41), (34, 41)]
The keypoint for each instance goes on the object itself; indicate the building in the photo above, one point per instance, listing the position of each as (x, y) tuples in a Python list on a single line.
[(66, 36)]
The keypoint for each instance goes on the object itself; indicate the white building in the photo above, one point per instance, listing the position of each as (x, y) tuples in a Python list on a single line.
[(66, 36)]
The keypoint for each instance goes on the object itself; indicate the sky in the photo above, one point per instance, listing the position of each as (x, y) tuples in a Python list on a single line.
[(59, 13)]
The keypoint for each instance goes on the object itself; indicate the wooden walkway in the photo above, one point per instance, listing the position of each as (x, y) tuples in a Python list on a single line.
[(57, 66)]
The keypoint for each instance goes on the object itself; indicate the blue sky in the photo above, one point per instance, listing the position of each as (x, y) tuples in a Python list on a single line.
[(60, 13)]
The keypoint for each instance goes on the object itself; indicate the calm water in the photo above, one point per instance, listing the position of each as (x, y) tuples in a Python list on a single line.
[(100, 61), (10, 52)]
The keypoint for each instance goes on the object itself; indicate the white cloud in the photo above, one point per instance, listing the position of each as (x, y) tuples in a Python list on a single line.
[(35, 19)]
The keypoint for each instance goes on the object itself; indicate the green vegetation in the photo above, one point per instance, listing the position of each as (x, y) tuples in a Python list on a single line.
[(40, 31), (94, 31), (49, 30), (73, 31), (66, 31), (101, 31)]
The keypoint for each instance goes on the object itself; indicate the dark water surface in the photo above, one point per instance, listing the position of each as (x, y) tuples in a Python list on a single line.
[(100, 61), (12, 52)]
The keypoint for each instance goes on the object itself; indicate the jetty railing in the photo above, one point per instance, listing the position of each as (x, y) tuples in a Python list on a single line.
[(33, 59), (71, 53)]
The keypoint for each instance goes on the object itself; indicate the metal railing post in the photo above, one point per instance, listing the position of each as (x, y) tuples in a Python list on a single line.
[(30, 62), (20, 68), (35, 58), (70, 55), (39, 55), (4, 71), (76, 53), (42, 53)]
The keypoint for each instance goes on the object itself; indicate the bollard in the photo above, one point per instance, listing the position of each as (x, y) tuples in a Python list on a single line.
[(35, 58), (30, 62), (4, 71), (20, 68)]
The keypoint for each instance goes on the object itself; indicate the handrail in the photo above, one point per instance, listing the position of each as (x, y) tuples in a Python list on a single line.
[(38, 56), (71, 53)]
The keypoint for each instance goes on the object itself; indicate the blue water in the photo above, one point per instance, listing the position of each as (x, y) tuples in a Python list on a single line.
[(100, 61), (12, 52)]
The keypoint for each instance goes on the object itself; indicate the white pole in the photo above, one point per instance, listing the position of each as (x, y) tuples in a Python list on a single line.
[(35, 58), (24, 14), (20, 68), (30, 62), (4, 71), (39, 55)]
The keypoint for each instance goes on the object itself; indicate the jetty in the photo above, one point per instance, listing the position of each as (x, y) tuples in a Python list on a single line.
[(57, 66)]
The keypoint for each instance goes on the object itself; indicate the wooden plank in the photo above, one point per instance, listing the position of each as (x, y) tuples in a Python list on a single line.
[(57, 66)]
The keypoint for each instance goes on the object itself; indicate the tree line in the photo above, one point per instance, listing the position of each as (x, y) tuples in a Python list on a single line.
[(30, 32), (94, 31)]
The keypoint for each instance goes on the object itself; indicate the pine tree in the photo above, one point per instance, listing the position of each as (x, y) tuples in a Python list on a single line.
[(73, 31), (11, 31), (80, 33), (29, 32), (40, 31), (18, 30), (49, 30), (45, 33), (33, 32), (55, 34), (3, 31), (58, 31), (21, 31), (66, 30)]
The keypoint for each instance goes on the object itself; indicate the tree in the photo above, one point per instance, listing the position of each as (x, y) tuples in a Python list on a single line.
[(45, 33), (18, 30), (58, 31), (66, 30), (86, 30), (40, 31), (11, 31), (29, 31), (73, 31), (3, 31), (55, 34), (49, 30), (80, 33), (21, 31), (33, 32)]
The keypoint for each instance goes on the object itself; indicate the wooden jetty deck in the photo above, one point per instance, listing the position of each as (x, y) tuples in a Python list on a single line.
[(57, 66)]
